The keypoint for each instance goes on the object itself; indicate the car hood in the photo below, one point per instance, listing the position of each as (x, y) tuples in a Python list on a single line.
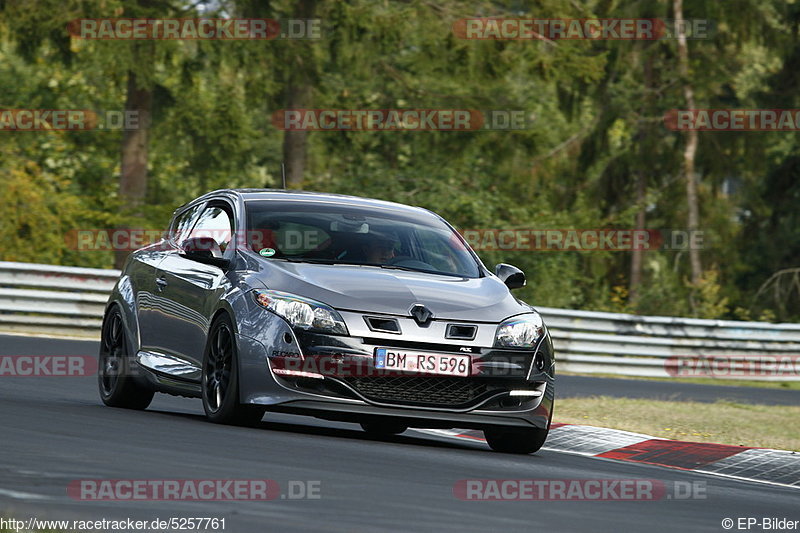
[(376, 290)]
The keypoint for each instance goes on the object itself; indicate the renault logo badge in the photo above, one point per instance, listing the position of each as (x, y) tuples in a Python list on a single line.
[(422, 315)]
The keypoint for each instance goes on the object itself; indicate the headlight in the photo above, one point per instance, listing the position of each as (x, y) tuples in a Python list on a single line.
[(302, 313), (523, 331)]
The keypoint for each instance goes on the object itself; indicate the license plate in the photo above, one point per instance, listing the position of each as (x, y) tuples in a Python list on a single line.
[(424, 363)]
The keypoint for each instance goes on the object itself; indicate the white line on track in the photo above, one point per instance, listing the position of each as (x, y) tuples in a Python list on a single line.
[(17, 495), (60, 337)]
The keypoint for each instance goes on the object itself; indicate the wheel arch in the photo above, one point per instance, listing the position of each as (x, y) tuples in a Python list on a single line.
[(224, 308), (123, 298)]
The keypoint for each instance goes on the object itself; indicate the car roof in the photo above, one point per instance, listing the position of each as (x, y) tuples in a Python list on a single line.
[(312, 197)]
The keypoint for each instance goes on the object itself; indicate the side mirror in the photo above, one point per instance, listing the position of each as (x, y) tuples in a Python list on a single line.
[(513, 277), (204, 250)]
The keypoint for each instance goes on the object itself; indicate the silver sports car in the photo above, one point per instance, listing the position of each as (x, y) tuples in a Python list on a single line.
[(339, 307)]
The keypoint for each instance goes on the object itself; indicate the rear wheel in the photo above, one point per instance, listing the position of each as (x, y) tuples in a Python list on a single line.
[(513, 440), (383, 427), (220, 381), (114, 377)]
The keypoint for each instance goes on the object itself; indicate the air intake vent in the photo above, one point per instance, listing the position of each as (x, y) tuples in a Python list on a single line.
[(461, 331), (385, 325), (441, 391)]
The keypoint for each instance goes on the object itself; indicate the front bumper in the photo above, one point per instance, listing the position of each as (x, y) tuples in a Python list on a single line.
[(334, 377)]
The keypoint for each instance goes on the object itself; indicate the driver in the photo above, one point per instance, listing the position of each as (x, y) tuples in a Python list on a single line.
[(380, 249)]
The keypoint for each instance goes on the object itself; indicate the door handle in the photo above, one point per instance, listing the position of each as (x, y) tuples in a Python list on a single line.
[(161, 283)]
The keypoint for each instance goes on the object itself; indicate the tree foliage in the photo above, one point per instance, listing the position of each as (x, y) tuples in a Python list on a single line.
[(596, 152)]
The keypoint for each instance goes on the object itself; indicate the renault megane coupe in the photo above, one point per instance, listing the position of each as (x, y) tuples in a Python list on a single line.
[(338, 307)]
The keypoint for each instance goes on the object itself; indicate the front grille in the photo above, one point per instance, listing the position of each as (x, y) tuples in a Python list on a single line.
[(443, 391)]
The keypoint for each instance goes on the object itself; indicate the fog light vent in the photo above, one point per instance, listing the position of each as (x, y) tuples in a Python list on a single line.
[(461, 331), (385, 325)]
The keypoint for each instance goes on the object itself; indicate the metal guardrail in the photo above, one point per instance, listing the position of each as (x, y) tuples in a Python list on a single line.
[(60, 301), (658, 346), (53, 300)]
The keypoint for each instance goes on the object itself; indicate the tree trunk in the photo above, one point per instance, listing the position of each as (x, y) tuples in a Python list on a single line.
[(298, 96), (637, 254), (133, 176), (644, 167), (689, 152), (295, 142)]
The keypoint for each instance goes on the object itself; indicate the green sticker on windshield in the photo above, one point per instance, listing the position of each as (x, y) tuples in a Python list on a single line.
[(267, 252)]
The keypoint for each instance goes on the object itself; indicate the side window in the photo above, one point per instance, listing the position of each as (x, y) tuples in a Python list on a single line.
[(215, 222), (182, 225)]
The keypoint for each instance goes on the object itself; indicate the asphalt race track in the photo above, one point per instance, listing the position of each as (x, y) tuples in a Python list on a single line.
[(577, 386), (55, 430)]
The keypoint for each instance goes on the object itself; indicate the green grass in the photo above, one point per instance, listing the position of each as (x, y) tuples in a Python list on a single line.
[(784, 385), (721, 422)]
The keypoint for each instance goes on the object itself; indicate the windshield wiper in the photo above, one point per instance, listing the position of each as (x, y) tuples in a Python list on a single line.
[(411, 269), (398, 267), (355, 263), (316, 261)]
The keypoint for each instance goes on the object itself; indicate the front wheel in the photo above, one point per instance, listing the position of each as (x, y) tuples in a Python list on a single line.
[(114, 375), (513, 440), (220, 381)]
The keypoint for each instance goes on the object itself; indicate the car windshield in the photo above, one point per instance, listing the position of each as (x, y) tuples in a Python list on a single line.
[(335, 234)]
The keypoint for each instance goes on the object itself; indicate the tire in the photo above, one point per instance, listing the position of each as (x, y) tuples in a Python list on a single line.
[(513, 440), (383, 428), (220, 379), (115, 380)]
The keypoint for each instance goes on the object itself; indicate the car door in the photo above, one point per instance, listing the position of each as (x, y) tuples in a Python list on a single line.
[(190, 289), (144, 271)]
